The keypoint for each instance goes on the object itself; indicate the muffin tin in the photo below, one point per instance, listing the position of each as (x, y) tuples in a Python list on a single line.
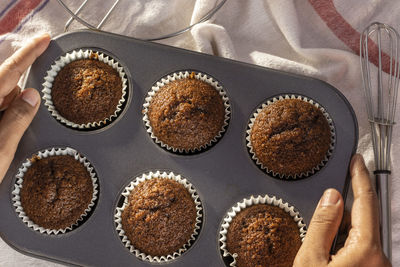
[(223, 175)]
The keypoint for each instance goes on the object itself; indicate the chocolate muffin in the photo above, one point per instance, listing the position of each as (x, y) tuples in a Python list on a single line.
[(263, 235), (86, 91), (290, 137), (186, 114), (160, 217), (56, 191)]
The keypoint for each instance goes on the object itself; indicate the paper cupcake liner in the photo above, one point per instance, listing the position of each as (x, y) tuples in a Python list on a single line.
[(118, 220), (20, 177), (68, 58), (178, 76), (247, 202), (304, 174)]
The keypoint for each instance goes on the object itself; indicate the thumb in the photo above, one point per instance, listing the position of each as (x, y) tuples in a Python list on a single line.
[(323, 228), (13, 123)]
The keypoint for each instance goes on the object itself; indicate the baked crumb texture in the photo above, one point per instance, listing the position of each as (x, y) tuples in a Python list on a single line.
[(187, 114), (56, 191), (160, 217), (290, 138), (263, 235), (86, 91)]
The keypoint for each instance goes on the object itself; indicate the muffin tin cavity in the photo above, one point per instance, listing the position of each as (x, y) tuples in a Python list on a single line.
[(163, 200), (85, 89), (59, 186), (222, 171), (186, 112), (297, 125)]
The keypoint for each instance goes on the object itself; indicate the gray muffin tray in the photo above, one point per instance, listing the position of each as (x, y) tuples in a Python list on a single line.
[(222, 175)]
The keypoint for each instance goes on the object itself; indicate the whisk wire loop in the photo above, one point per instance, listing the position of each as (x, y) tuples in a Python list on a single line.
[(380, 94), (379, 44)]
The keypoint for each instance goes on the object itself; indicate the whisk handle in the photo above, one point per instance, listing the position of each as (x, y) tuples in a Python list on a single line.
[(383, 191)]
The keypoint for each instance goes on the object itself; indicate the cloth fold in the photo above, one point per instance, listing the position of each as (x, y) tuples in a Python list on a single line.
[(313, 38)]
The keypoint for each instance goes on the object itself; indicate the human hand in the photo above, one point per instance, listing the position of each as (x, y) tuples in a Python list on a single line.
[(362, 246), (18, 107)]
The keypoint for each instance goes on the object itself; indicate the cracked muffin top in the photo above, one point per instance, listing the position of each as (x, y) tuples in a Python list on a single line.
[(160, 217), (263, 235), (56, 191), (86, 91), (290, 137), (186, 114)]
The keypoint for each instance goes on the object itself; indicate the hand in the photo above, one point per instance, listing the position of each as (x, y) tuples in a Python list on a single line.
[(362, 246), (19, 108)]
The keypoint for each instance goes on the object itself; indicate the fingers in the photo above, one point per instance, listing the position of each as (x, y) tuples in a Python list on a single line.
[(12, 69), (323, 228), (364, 214), (362, 247), (10, 97), (13, 124), (19, 108)]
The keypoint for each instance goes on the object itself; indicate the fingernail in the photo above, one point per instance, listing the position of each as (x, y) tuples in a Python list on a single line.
[(30, 97), (330, 198)]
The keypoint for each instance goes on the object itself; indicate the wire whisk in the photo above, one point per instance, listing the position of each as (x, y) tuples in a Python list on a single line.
[(379, 44)]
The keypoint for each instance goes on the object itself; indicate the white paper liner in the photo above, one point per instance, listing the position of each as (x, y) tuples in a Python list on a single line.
[(178, 76), (20, 177), (68, 58), (314, 169), (247, 202), (118, 220)]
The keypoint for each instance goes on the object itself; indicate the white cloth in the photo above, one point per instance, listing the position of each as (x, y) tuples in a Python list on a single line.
[(314, 38)]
